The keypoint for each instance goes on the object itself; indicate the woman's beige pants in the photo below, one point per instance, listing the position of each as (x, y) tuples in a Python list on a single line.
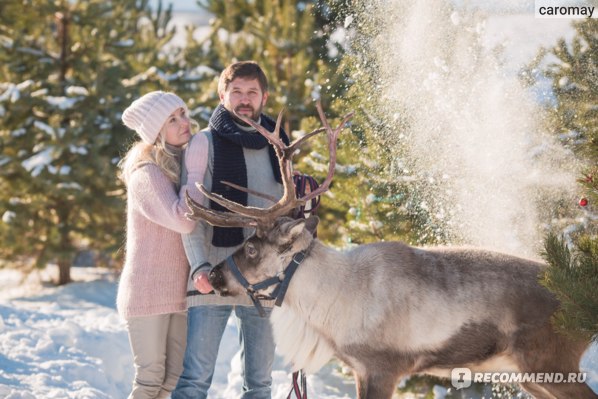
[(158, 345)]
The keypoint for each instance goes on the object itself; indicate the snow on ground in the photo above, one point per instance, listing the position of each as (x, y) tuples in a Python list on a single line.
[(69, 342)]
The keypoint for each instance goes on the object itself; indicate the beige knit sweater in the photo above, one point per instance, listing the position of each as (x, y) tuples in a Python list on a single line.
[(154, 277)]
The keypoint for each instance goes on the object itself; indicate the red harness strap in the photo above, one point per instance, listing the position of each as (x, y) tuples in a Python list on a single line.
[(299, 387), (301, 183)]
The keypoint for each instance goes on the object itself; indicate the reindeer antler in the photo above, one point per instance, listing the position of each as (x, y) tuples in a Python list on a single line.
[(242, 215)]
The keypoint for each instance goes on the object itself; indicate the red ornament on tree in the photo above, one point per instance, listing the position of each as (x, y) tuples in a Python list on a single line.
[(583, 201)]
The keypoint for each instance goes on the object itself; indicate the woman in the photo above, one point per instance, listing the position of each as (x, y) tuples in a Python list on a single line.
[(152, 288)]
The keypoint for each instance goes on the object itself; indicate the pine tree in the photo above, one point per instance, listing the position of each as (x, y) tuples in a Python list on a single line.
[(294, 43), (573, 277), (370, 203), (573, 260), (286, 37), (65, 70), (291, 41), (362, 205), (575, 85)]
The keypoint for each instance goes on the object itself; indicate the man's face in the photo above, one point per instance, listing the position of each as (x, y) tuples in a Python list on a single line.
[(245, 97)]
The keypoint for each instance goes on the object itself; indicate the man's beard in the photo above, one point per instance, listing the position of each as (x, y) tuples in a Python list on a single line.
[(255, 114)]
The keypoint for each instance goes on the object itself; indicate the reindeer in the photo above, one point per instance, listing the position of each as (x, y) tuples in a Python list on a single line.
[(389, 310)]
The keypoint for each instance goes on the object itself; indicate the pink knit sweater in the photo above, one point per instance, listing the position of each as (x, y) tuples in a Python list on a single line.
[(154, 277)]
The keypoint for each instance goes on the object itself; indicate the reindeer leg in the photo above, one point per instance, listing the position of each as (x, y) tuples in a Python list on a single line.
[(361, 385), (377, 386), (573, 390), (547, 351), (381, 386), (537, 391)]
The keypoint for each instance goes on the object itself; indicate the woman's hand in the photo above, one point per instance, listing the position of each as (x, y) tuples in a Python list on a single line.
[(200, 281)]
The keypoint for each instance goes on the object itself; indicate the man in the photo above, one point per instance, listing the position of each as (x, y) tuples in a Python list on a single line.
[(229, 150)]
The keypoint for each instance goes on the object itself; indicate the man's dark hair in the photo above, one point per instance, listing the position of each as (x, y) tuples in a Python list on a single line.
[(245, 70)]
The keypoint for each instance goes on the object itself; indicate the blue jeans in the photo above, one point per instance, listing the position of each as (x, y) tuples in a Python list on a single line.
[(205, 326)]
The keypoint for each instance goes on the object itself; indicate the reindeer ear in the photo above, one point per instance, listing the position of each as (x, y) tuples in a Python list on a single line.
[(295, 228), (311, 224)]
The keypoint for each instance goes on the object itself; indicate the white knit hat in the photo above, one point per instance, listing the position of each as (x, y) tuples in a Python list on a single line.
[(147, 114)]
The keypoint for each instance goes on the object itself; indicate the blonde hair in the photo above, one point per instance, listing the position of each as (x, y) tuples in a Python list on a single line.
[(165, 156)]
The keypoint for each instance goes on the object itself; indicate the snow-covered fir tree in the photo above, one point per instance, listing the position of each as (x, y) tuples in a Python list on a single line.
[(66, 73), (573, 271)]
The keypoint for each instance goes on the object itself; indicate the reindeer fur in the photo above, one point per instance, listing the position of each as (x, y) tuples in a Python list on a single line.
[(389, 310)]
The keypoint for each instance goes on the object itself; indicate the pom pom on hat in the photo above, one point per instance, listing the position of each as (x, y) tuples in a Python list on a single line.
[(147, 114)]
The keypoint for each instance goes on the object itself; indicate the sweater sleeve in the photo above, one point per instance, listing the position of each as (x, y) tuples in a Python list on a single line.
[(156, 197), (195, 165)]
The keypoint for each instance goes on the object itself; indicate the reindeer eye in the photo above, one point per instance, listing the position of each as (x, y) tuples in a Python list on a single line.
[(250, 250)]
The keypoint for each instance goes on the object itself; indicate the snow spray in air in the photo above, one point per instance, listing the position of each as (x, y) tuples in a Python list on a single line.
[(467, 133)]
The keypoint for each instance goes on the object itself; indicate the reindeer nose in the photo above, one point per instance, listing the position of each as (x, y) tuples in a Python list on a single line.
[(216, 277)]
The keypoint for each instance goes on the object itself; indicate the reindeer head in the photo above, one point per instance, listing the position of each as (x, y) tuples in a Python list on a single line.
[(277, 237), (265, 255)]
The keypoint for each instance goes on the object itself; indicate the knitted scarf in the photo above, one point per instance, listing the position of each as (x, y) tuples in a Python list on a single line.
[(229, 165)]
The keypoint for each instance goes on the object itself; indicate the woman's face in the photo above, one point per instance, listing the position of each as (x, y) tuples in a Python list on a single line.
[(177, 129)]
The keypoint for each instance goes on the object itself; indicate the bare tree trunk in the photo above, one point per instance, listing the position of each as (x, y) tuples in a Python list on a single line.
[(62, 25), (64, 259), (65, 255), (64, 271)]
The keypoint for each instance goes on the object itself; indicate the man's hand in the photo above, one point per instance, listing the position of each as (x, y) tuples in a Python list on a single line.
[(200, 281)]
